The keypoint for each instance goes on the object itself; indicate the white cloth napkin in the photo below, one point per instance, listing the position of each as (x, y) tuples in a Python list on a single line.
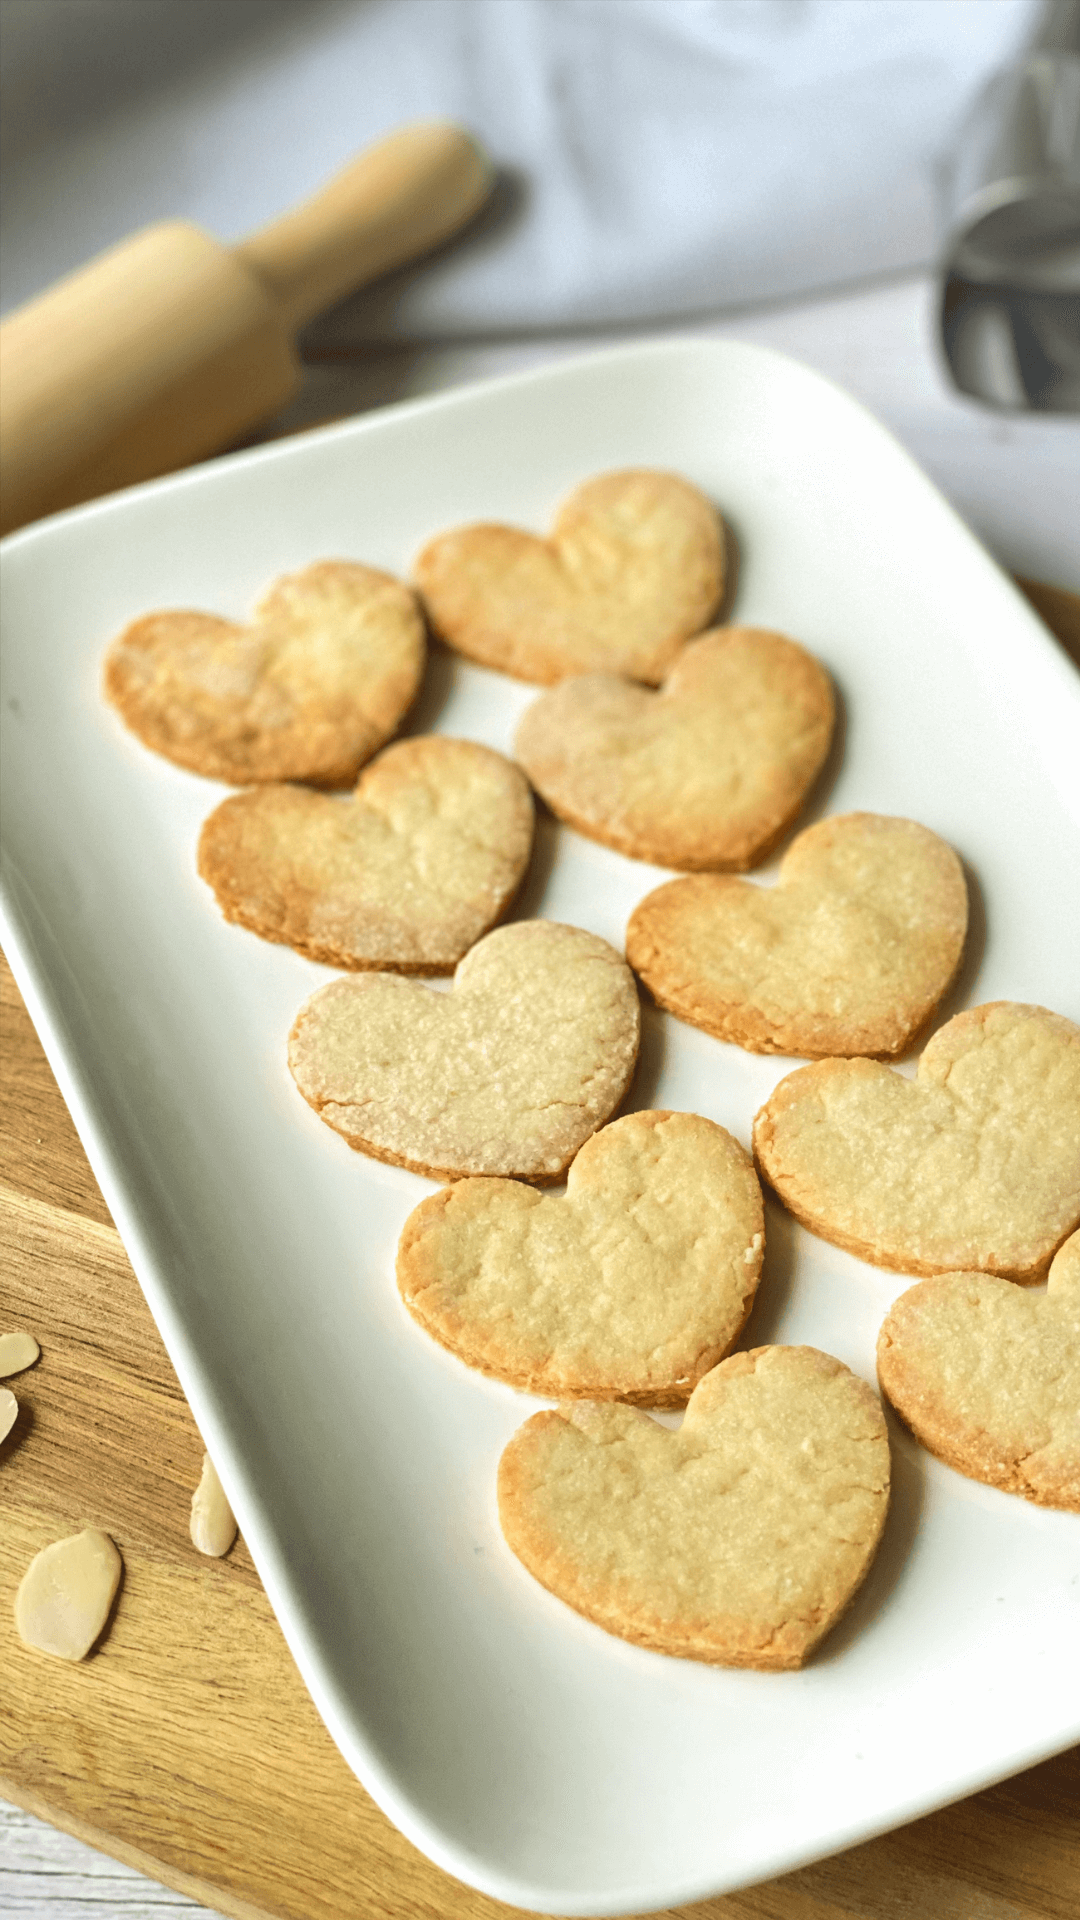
[(664, 157)]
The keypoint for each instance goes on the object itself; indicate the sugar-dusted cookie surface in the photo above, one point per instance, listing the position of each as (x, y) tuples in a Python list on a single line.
[(738, 1540), (987, 1376), (849, 953), (630, 1287), (309, 690), (973, 1166), (635, 564), (706, 773), (508, 1073), (408, 874)]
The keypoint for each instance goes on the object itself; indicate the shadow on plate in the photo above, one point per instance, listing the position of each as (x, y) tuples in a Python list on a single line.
[(816, 804), (906, 1501), (963, 992), (641, 1094), (529, 904), (777, 1279), (435, 690)]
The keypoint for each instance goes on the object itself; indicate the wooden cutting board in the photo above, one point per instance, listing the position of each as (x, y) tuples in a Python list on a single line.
[(186, 1744)]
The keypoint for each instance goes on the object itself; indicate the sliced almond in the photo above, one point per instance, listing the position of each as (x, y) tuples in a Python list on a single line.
[(213, 1525), (66, 1593), (9, 1409), (18, 1349)]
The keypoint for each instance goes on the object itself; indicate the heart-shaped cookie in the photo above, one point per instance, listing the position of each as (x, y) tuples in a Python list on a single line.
[(408, 875), (310, 690), (849, 953), (972, 1166), (706, 773), (738, 1540), (634, 566), (987, 1376), (509, 1073), (630, 1287)]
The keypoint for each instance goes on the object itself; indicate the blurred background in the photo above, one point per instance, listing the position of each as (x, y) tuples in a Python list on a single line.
[(797, 172)]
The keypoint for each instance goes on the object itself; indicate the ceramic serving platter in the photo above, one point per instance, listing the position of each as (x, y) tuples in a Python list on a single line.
[(519, 1746)]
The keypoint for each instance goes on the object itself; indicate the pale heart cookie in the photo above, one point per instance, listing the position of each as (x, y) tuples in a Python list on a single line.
[(509, 1073), (974, 1165), (310, 690), (706, 773), (409, 874), (738, 1540), (634, 566), (849, 953), (630, 1287), (987, 1376)]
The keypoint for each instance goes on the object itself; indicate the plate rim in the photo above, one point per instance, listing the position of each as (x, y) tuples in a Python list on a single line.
[(37, 987)]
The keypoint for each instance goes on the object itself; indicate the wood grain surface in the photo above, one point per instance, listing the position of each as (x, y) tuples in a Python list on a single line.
[(186, 1744)]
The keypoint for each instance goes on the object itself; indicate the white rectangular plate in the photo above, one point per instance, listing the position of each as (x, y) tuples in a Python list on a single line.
[(520, 1747)]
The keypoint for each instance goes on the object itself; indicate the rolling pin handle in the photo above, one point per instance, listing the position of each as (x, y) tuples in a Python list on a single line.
[(396, 201)]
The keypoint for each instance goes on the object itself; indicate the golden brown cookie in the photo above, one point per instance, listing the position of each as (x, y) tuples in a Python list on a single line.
[(709, 772), (973, 1165), (849, 953), (317, 682), (630, 1286), (987, 1376), (634, 565), (738, 1540), (407, 875), (507, 1074)]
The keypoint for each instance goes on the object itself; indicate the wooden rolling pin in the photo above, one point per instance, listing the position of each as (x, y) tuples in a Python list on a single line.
[(169, 346)]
